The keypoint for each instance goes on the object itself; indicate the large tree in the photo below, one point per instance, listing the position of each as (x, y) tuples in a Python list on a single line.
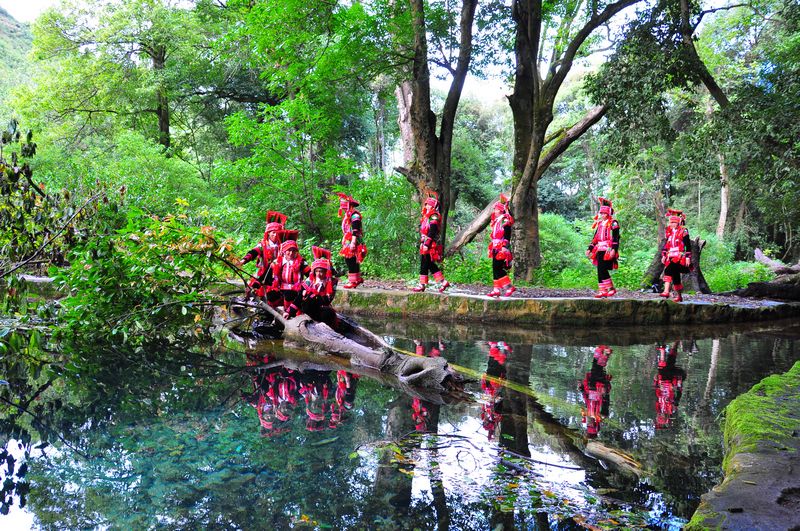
[(428, 153), (548, 39)]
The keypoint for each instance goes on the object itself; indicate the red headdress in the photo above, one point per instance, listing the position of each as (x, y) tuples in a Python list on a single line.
[(601, 354), (605, 206), (275, 221), (345, 202), (322, 259), (289, 244), (676, 216), (501, 207), (432, 201), (288, 234)]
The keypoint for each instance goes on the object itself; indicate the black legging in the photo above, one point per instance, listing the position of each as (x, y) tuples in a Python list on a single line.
[(426, 265), (499, 269), (352, 265), (674, 270), (604, 268), (283, 296), (318, 312)]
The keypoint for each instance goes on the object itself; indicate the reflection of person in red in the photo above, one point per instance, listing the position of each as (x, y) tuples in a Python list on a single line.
[(345, 396), (596, 389), (419, 413), (431, 349), (668, 385), (279, 391), (353, 248), (491, 410), (315, 389), (676, 254)]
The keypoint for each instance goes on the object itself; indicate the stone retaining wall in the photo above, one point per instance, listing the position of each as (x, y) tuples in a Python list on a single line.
[(555, 311)]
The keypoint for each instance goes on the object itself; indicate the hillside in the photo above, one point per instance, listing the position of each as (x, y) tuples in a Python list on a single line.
[(15, 43)]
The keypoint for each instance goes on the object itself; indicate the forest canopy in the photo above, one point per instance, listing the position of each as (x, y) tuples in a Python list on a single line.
[(220, 110)]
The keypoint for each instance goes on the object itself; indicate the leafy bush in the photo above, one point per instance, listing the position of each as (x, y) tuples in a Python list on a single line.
[(563, 249), (152, 179), (736, 275), (138, 274), (473, 266)]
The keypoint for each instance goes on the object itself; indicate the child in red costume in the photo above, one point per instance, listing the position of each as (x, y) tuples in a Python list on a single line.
[(264, 253), (319, 289), (285, 277), (676, 254), (353, 248), (604, 249), (499, 251), (430, 250)]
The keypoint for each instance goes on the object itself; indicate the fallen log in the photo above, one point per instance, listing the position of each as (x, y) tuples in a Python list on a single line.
[(776, 266), (785, 286), (364, 349)]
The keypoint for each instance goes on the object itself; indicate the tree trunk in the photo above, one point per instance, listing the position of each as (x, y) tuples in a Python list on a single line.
[(159, 58), (365, 349), (430, 168), (403, 93), (695, 280), (724, 196)]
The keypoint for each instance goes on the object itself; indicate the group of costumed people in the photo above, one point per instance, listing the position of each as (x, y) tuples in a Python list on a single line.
[(603, 251), (285, 280)]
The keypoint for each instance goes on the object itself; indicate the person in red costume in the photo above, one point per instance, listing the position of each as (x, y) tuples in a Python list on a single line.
[(430, 250), (500, 231), (676, 254), (596, 390), (264, 253), (604, 249), (353, 248), (285, 278), (668, 385), (319, 289)]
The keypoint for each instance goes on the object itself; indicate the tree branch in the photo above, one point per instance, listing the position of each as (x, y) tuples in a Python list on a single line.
[(564, 141)]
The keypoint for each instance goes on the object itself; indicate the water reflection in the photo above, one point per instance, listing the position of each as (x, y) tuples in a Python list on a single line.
[(596, 390), (281, 393), (492, 384), (186, 449), (668, 384)]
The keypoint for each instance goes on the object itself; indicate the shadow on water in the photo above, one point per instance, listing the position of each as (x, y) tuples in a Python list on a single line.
[(556, 429)]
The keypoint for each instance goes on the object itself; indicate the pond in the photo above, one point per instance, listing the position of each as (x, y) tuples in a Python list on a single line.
[(265, 440)]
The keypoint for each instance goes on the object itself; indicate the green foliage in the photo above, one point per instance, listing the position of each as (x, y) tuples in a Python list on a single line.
[(35, 227), (564, 262), (152, 179), (139, 273), (473, 266), (391, 226)]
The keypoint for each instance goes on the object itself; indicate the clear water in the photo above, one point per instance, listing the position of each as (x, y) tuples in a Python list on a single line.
[(159, 443)]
